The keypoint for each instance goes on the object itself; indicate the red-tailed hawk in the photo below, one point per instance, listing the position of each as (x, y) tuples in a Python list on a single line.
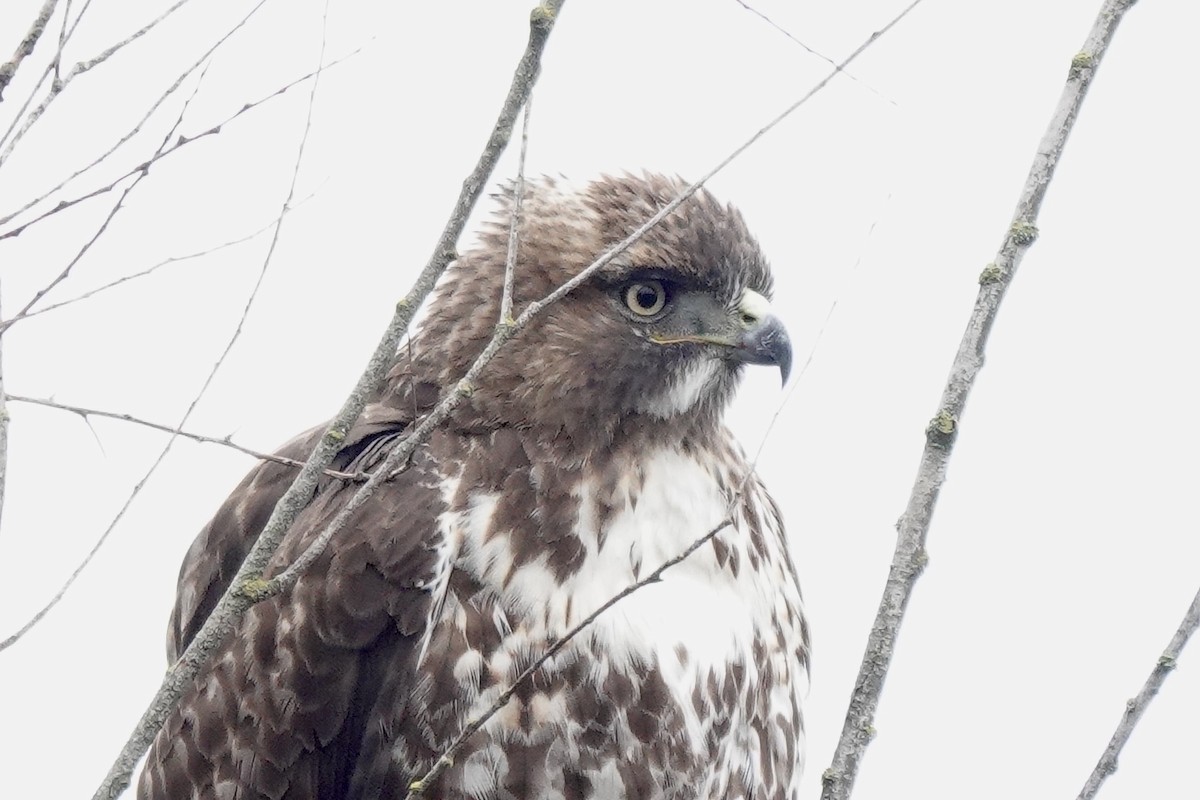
[(592, 451)]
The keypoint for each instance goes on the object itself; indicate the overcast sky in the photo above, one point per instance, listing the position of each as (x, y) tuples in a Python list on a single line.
[(1065, 547)]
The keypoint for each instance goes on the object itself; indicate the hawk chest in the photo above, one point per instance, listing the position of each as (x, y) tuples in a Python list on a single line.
[(672, 676)]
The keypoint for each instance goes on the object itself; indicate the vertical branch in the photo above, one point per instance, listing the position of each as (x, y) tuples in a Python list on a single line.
[(910, 556), (514, 223), (1137, 706)]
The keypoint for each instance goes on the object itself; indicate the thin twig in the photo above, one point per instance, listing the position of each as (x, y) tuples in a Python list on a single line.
[(141, 124), (262, 589), (7, 323), (112, 213), (446, 759), (514, 223), (224, 441), (812, 51), (25, 48), (179, 143), (137, 489), (1135, 707), (57, 87), (910, 557), (236, 600)]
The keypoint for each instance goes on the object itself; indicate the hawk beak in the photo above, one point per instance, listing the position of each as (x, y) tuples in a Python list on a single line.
[(764, 340)]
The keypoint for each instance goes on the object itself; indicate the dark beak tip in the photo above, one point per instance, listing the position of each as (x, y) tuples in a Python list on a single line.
[(768, 343)]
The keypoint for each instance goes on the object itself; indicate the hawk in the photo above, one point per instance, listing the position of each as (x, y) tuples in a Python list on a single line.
[(591, 452)]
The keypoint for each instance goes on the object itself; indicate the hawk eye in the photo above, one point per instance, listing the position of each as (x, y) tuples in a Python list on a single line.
[(646, 298)]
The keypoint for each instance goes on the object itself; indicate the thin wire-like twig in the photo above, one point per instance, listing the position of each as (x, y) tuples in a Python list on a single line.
[(181, 142), (514, 223), (446, 759), (811, 51), (1134, 709), (910, 557), (60, 84), (224, 441), (112, 213), (9, 68), (137, 489), (175, 146), (236, 600), (7, 323)]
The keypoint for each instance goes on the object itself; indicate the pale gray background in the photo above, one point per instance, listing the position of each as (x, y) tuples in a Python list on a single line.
[(1064, 550)]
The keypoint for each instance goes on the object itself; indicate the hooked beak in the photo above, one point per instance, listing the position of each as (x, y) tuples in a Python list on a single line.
[(751, 335), (764, 340)]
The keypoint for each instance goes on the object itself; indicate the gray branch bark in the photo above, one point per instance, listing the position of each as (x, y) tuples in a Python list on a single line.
[(1134, 708), (910, 557)]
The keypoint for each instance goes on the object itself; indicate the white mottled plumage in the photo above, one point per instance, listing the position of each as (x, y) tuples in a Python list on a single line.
[(590, 451)]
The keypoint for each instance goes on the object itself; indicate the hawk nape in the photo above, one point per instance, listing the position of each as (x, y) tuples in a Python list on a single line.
[(592, 451)]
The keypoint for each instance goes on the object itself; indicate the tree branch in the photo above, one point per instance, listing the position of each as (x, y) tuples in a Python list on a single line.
[(9, 69), (910, 556), (7, 323), (59, 84), (1136, 707), (207, 381), (235, 601), (446, 759), (224, 441), (179, 143)]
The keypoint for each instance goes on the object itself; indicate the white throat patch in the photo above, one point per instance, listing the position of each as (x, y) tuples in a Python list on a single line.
[(683, 391)]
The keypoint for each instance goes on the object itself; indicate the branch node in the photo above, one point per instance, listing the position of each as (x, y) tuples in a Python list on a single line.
[(1167, 661), (256, 589), (1082, 61), (942, 429), (1022, 233), (541, 18), (991, 274)]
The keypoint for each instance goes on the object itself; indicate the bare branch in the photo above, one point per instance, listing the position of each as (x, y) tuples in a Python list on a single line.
[(203, 388), (57, 87), (9, 68), (811, 51), (224, 441), (5, 324), (1135, 707), (235, 601), (418, 787), (514, 223), (175, 146), (140, 175), (910, 556)]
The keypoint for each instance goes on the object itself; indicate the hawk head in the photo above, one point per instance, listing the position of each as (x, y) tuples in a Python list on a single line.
[(657, 338)]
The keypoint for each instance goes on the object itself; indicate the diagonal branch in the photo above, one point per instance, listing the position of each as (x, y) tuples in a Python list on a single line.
[(9, 69), (179, 143), (1135, 707), (7, 323), (910, 557), (60, 84), (41, 613), (234, 602), (224, 441), (139, 176), (446, 759)]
